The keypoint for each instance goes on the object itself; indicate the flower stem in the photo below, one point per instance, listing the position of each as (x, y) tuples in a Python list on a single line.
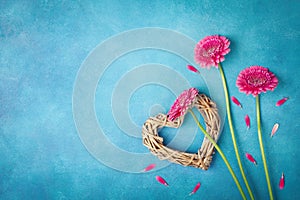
[(262, 147), (232, 131), (221, 153)]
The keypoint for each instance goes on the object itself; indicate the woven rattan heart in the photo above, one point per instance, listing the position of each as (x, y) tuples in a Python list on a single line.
[(203, 157)]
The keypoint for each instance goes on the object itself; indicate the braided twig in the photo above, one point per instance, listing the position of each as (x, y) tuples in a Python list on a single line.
[(203, 157)]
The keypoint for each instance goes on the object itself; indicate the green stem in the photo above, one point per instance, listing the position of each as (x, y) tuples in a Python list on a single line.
[(221, 153), (232, 131), (262, 147)]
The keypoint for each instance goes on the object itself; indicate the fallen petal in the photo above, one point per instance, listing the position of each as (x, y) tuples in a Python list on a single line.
[(281, 182), (161, 180), (274, 129), (192, 68), (236, 101), (247, 120), (149, 167), (195, 188), (281, 101), (250, 157)]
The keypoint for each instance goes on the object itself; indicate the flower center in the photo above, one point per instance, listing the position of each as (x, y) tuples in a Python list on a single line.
[(256, 80), (209, 53), (212, 47), (211, 50)]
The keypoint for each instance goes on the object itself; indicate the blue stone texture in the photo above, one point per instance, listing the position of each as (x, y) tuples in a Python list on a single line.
[(42, 47)]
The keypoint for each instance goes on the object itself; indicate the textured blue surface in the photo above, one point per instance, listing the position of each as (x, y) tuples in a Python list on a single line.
[(42, 46)]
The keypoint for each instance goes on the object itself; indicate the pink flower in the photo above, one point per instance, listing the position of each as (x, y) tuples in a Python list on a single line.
[(211, 50), (182, 103), (256, 79)]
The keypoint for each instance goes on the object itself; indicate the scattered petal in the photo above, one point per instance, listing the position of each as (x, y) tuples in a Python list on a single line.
[(281, 181), (247, 120), (149, 167), (274, 129), (161, 180), (192, 68), (281, 101), (250, 158), (195, 189), (236, 101)]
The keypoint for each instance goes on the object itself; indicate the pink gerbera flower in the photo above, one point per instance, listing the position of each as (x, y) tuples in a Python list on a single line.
[(256, 79), (211, 50), (182, 103)]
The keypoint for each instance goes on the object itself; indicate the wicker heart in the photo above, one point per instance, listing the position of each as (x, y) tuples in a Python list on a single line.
[(203, 157)]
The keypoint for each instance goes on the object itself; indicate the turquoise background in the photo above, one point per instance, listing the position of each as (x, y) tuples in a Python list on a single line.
[(42, 46)]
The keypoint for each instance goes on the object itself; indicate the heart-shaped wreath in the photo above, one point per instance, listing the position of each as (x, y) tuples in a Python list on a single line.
[(203, 157)]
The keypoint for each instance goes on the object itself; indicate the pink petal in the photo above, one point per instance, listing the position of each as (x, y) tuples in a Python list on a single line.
[(236, 101), (149, 167), (281, 101), (195, 188), (250, 158), (274, 129), (161, 180), (192, 68), (247, 120), (281, 182)]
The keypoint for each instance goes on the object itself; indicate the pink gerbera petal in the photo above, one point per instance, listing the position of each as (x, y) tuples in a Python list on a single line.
[(247, 121), (210, 51), (256, 79), (196, 188), (192, 68), (182, 103), (274, 129), (236, 101), (250, 158), (281, 101), (281, 181), (161, 180), (149, 167)]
